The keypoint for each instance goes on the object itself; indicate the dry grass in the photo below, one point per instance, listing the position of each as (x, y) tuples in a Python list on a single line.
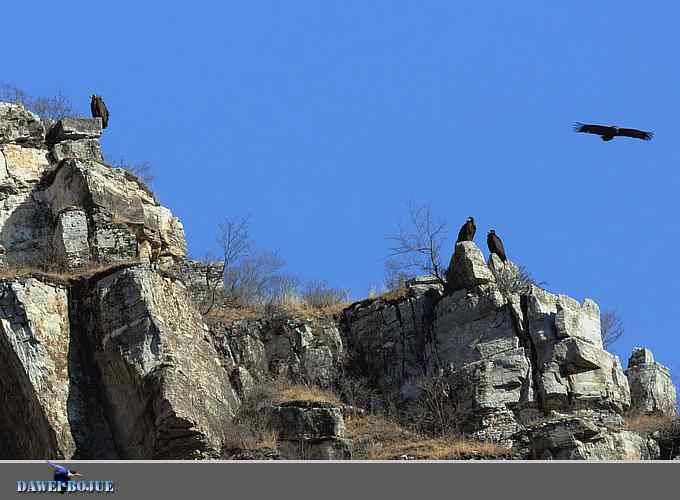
[(228, 315), (396, 294), (304, 309), (647, 424), (239, 437), (436, 449), (18, 271), (389, 441), (286, 392)]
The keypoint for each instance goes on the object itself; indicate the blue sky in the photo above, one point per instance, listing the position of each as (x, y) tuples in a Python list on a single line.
[(321, 119)]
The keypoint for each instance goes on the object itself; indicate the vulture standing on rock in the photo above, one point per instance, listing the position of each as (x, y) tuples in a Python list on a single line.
[(99, 109), (496, 245), (608, 133), (467, 231)]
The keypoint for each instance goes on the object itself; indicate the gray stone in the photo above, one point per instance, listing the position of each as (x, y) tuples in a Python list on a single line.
[(19, 125), (123, 212), (70, 241), (296, 420), (70, 129), (86, 149), (310, 430), (651, 387), (467, 268), (577, 438), (50, 400)]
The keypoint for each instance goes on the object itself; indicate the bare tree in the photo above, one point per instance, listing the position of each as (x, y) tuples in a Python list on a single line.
[(417, 247), (48, 108), (234, 242), (611, 328), (395, 276)]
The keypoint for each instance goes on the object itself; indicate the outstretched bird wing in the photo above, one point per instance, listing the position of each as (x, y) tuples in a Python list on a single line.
[(59, 469), (637, 134), (591, 129)]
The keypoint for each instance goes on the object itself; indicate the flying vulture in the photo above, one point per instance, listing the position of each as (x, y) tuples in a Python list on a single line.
[(608, 133), (467, 231), (99, 109), (496, 245)]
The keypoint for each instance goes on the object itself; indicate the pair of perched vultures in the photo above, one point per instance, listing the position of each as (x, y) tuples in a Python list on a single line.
[(467, 233)]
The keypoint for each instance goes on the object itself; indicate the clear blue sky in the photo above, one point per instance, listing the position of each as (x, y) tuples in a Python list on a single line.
[(322, 119)]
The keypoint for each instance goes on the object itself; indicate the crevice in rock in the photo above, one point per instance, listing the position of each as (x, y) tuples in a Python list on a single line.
[(86, 403), (527, 342)]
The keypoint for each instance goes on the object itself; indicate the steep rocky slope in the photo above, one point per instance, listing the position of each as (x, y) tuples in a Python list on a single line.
[(105, 354)]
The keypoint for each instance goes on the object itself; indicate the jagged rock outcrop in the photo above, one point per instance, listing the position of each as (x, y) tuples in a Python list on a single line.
[(651, 388), (510, 354)]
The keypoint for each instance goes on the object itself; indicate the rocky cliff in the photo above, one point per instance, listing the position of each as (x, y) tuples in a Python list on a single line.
[(105, 354)]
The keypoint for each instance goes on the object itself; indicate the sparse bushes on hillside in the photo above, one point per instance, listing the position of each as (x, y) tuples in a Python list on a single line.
[(48, 108), (250, 278)]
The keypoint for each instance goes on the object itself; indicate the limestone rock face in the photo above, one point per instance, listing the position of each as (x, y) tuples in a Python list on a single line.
[(121, 212), (19, 125), (35, 337), (651, 387), (49, 402), (164, 387), (307, 352)]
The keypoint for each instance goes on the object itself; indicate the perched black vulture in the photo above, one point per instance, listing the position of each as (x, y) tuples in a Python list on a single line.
[(467, 231), (608, 133), (496, 245), (99, 109)]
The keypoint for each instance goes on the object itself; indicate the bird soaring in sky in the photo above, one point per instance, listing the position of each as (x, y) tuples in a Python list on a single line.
[(496, 245), (607, 133), (99, 109), (467, 231), (62, 474)]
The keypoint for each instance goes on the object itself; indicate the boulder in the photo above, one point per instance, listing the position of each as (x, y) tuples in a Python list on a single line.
[(310, 430), (467, 269)]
